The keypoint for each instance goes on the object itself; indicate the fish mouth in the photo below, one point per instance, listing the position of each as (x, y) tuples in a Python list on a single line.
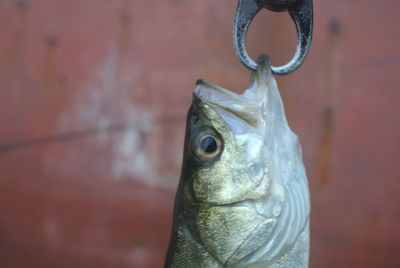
[(247, 106), (226, 100)]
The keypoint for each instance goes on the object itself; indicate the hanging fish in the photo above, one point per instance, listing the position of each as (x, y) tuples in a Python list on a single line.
[(243, 197)]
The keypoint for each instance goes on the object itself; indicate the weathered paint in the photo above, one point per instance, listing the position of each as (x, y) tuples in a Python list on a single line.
[(94, 93)]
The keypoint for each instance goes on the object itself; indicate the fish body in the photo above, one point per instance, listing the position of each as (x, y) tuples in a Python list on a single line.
[(243, 197)]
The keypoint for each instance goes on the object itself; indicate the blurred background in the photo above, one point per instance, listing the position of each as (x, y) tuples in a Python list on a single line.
[(93, 99)]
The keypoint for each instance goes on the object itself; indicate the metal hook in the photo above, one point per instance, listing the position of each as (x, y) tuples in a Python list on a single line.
[(301, 12)]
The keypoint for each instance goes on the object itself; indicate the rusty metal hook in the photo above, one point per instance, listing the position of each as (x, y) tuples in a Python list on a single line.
[(301, 12)]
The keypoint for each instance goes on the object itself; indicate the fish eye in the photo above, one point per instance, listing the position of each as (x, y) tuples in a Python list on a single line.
[(207, 147)]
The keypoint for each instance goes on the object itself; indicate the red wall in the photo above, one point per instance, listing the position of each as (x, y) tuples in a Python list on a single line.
[(93, 97)]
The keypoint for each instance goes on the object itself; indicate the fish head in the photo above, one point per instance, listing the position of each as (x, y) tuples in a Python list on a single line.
[(228, 141), (239, 158), (224, 152)]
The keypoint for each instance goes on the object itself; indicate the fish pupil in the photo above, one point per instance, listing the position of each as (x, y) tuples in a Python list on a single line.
[(208, 145)]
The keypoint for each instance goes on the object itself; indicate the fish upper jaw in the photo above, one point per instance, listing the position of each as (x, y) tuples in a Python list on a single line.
[(268, 205), (231, 186)]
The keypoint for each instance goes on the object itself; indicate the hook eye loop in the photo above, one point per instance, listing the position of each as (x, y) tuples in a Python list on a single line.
[(302, 15)]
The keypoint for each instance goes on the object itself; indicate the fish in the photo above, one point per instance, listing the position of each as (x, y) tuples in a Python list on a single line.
[(243, 199)]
